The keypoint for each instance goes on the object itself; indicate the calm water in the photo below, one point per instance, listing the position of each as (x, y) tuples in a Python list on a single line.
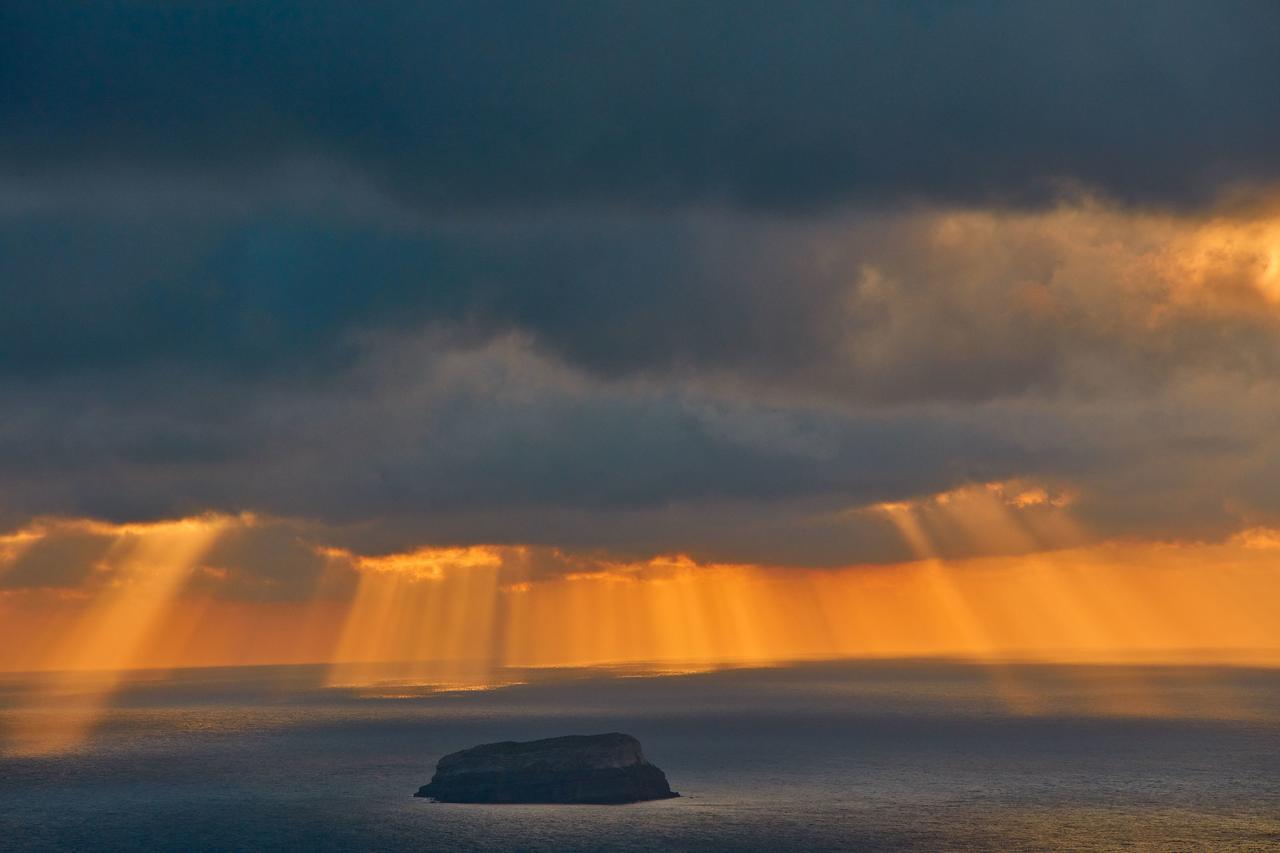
[(882, 756)]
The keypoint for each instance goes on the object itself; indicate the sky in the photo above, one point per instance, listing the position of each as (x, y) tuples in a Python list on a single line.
[(343, 331)]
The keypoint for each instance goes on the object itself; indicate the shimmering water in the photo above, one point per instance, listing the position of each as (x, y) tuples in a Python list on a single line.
[(862, 756)]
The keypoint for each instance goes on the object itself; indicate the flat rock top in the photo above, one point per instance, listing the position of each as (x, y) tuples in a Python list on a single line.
[(595, 752)]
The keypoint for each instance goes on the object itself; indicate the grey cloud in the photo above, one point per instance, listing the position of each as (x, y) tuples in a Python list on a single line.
[(518, 103), (931, 305), (630, 278), (446, 430), (274, 560), (64, 558), (501, 446), (721, 386)]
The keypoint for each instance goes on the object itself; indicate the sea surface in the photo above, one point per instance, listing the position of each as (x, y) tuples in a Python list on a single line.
[(888, 755)]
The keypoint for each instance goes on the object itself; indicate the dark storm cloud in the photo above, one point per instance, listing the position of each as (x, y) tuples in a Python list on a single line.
[(721, 386), (234, 296), (630, 278), (426, 431), (265, 293), (499, 445), (964, 306), (519, 103)]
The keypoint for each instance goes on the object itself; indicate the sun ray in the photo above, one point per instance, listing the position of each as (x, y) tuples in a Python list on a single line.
[(148, 565)]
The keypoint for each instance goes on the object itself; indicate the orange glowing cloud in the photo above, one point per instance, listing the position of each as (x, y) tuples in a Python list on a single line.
[(990, 518), (1155, 260)]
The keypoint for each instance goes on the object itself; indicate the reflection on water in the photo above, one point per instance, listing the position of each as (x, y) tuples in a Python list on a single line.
[(916, 755)]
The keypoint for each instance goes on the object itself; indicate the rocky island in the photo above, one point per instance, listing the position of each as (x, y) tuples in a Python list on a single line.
[(588, 769)]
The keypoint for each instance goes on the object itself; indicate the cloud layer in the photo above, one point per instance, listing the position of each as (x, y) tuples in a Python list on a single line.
[(514, 103), (618, 280)]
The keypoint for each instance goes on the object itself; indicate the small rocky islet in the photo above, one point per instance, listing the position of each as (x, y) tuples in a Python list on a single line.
[(603, 769)]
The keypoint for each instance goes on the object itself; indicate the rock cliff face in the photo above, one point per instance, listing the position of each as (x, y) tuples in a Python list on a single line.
[(603, 769)]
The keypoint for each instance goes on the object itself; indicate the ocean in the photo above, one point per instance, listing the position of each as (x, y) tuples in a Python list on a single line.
[(882, 755)]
